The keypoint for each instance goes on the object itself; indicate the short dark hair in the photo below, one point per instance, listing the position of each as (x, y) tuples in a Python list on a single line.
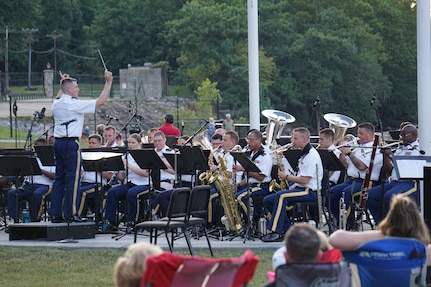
[(169, 118), (368, 126), (328, 133), (217, 137), (302, 243)]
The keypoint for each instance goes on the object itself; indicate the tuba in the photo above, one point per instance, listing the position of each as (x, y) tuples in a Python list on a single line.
[(276, 122), (339, 124)]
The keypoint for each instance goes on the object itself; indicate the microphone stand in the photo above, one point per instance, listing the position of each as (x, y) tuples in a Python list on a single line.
[(28, 142), (190, 139)]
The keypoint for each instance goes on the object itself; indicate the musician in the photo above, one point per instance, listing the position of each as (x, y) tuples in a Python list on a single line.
[(303, 186), (326, 141), (68, 112), (36, 189), (217, 145), (111, 137), (230, 140), (137, 186), (258, 182), (89, 179), (409, 146), (357, 160), (168, 128), (150, 135)]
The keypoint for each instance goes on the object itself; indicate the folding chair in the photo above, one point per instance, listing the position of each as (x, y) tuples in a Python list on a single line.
[(177, 209), (169, 269), (389, 262), (198, 210), (313, 274)]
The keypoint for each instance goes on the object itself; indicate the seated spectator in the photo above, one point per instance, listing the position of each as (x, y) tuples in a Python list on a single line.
[(130, 267)]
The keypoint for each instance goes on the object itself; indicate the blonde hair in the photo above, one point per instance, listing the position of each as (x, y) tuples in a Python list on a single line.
[(130, 267), (404, 220)]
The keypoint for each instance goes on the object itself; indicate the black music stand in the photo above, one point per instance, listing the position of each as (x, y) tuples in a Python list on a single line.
[(180, 164), (292, 156), (99, 162), (331, 163), (248, 166), (149, 159), (200, 158), (46, 154), (16, 165)]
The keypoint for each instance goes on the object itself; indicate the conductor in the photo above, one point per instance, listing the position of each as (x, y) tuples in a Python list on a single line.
[(68, 112)]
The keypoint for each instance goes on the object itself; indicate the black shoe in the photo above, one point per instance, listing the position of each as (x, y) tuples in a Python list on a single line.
[(77, 218), (273, 237), (56, 219)]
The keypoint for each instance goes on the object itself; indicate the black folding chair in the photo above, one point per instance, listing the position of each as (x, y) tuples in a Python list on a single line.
[(176, 218), (198, 210)]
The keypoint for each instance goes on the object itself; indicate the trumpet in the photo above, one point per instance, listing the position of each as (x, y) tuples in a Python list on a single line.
[(282, 148), (352, 143)]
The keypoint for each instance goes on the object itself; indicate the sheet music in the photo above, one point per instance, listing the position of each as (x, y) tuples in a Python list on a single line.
[(411, 167)]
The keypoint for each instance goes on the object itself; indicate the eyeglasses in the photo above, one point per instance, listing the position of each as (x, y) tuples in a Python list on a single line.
[(404, 135)]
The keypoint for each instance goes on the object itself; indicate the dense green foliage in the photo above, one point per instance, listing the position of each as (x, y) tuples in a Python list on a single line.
[(342, 52)]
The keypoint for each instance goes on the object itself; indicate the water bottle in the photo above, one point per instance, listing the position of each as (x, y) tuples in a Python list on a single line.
[(262, 226), (25, 214)]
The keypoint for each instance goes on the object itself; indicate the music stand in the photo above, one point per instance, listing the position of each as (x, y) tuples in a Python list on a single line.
[(248, 166), (410, 167), (16, 165), (46, 154), (292, 156), (149, 159), (99, 161)]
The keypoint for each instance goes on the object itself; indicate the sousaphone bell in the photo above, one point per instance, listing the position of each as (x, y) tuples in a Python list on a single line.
[(276, 122)]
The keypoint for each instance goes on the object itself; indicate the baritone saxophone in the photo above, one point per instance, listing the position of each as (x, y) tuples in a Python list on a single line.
[(225, 191)]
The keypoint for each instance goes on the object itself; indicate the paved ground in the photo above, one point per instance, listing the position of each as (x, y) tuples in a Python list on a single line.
[(106, 241), (27, 107)]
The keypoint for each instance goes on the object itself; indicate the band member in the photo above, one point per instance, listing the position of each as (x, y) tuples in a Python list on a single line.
[(37, 188), (89, 179), (230, 140), (257, 182), (303, 186), (357, 160), (326, 141), (137, 185), (409, 147), (68, 112), (111, 137)]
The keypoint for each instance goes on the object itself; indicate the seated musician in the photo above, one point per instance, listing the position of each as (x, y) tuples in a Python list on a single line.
[(258, 182), (110, 136), (357, 160), (36, 189), (303, 186), (88, 182), (409, 147), (326, 141), (137, 186)]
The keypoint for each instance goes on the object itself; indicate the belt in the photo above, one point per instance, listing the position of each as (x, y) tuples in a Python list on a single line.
[(355, 178), (69, 138)]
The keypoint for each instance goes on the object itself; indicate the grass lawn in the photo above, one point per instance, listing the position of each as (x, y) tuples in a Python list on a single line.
[(45, 267)]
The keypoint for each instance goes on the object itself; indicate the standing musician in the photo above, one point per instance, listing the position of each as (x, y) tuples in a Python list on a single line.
[(258, 182), (37, 189), (230, 140), (88, 181), (303, 186), (409, 147), (137, 185), (68, 112), (357, 161)]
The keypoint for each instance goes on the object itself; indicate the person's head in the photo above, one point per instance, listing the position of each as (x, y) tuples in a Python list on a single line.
[(51, 140), (130, 267), (300, 137), (211, 120), (228, 116), (326, 138), (40, 141), (159, 140), (302, 244), (254, 139), (94, 141), (408, 134), (134, 141), (169, 118), (119, 139), (230, 139), (365, 132), (404, 220), (109, 133), (220, 131), (150, 135), (216, 141), (70, 87), (182, 140), (100, 128)]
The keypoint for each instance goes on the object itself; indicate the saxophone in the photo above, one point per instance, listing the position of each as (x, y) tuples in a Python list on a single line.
[(274, 185), (205, 176), (224, 189)]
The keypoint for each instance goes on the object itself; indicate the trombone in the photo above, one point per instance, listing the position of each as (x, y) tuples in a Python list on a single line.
[(352, 143), (282, 148)]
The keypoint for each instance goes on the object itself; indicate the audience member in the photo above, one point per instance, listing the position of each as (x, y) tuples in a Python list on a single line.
[(130, 267), (210, 128), (228, 123), (168, 128)]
